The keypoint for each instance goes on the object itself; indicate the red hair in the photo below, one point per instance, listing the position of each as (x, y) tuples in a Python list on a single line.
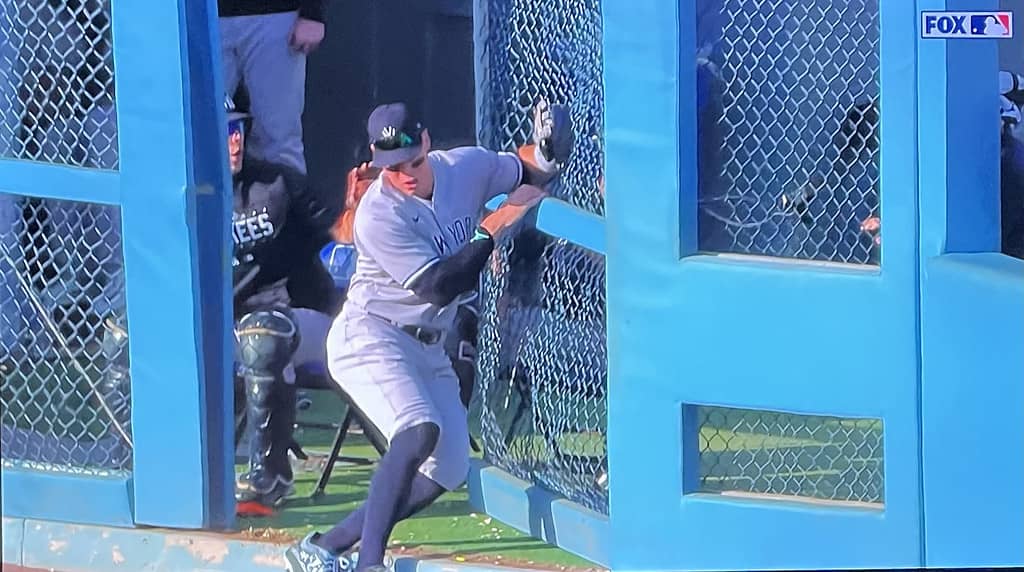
[(359, 179)]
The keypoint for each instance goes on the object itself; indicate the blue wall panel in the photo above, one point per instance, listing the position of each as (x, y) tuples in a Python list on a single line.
[(972, 313), (59, 182), (66, 497), (163, 127), (793, 336), (212, 180), (973, 422)]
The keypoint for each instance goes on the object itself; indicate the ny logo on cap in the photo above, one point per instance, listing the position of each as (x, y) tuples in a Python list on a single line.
[(389, 132)]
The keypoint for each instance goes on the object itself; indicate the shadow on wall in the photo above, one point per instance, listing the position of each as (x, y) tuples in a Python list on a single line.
[(387, 50)]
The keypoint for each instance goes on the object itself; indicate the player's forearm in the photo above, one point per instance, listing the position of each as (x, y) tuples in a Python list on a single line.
[(455, 275)]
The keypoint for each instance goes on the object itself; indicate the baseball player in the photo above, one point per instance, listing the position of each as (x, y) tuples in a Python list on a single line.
[(460, 344), (421, 244)]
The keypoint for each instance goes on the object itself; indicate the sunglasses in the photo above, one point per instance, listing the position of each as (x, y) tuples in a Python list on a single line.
[(399, 140), (236, 127), (414, 164)]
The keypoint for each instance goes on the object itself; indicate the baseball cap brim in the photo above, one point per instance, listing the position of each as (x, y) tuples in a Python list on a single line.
[(383, 159)]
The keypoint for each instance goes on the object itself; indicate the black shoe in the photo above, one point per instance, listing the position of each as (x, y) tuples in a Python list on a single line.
[(259, 494), (270, 413)]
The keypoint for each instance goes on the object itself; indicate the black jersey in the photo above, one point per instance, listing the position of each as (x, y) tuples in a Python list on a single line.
[(278, 230)]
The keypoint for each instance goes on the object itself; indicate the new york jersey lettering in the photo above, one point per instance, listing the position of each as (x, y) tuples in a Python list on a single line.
[(459, 232)]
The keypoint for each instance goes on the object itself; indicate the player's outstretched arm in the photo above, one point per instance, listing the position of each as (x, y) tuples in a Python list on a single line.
[(443, 281)]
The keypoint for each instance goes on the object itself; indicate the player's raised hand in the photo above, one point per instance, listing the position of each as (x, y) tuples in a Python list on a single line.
[(552, 131)]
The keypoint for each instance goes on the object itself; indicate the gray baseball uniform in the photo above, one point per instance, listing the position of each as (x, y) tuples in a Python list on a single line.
[(398, 380)]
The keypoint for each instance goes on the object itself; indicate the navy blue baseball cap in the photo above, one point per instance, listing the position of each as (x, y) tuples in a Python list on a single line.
[(395, 133)]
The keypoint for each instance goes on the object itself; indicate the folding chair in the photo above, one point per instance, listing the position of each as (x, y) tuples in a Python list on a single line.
[(372, 433), (313, 377)]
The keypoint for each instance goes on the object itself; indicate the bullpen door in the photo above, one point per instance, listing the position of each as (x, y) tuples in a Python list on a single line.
[(762, 336)]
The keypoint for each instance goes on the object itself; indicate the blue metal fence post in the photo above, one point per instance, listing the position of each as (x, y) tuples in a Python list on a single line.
[(213, 211), (175, 229)]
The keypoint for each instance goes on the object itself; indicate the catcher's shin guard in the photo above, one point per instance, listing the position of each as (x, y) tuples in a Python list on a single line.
[(266, 342)]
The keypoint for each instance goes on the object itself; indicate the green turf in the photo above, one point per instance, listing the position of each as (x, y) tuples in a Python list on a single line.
[(52, 397), (448, 529)]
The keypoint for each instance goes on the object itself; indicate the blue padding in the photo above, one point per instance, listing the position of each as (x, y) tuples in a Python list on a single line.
[(562, 220), (59, 182), (972, 144), (783, 335), (207, 166), (972, 339), (13, 536), (539, 513), (64, 497), (162, 242)]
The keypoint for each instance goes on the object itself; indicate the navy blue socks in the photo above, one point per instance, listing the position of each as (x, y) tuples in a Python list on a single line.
[(397, 491)]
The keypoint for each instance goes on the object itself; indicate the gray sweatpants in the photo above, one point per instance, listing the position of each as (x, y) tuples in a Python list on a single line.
[(256, 52)]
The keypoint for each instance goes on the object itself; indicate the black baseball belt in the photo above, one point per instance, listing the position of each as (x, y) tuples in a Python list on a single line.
[(429, 336)]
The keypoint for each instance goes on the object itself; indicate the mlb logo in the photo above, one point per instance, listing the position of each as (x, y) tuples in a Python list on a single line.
[(998, 25)]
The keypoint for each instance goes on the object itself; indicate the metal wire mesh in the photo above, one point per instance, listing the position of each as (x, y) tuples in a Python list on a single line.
[(776, 453), (57, 82), (543, 366), (65, 394), (550, 49), (542, 362), (788, 128)]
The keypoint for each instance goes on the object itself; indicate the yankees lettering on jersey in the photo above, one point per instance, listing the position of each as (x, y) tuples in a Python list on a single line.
[(251, 228), (398, 236), (259, 213), (248, 230)]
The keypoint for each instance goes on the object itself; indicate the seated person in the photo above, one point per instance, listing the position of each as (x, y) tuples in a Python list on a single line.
[(284, 301)]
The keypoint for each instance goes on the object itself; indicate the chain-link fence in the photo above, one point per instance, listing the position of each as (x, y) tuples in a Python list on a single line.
[(542, 364), (543, 367), (550, 49), (57, 82), (64, 359), (774, 453), (788, 128)]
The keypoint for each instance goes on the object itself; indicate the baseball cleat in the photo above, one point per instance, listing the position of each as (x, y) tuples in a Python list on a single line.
[(306, 556), (261, 501)]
